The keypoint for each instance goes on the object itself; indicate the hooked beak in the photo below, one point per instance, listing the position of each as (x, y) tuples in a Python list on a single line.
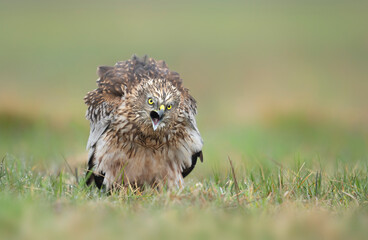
[(156, 116)]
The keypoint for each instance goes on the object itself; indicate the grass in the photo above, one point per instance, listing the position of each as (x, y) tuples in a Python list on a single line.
[(292, 176), (43, 205)]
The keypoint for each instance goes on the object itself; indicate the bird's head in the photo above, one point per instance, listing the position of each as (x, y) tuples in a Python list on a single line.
[(157, 104)]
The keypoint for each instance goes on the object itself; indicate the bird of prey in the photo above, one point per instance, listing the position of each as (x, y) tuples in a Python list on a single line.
[(142, 126)]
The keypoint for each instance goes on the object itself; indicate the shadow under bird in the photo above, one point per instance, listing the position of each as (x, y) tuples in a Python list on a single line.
[(142, 126)]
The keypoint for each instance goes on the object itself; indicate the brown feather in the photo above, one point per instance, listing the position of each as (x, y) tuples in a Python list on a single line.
[(122, 142)]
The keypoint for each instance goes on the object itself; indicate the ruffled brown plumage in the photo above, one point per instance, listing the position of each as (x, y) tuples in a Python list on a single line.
[(119, 124)]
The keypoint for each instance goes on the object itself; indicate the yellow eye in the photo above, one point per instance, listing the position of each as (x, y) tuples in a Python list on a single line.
[(150, 101), (169, 107)]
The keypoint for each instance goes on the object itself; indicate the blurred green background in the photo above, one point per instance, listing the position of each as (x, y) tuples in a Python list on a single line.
[(281, 89), (275, 81)]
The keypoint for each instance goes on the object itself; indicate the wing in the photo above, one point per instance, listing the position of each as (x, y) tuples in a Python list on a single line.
[(195, 136), (102, 102), (195, 156)]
